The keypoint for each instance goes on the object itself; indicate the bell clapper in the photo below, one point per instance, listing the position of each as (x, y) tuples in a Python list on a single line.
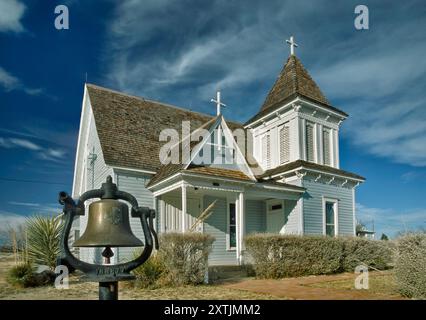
[(107, 254)]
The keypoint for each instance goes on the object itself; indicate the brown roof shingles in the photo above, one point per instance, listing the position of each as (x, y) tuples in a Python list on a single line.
[(129, 127), (293, 81)]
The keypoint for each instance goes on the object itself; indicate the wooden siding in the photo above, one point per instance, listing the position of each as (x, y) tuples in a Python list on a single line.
[(313, 207), (291, 213), (216, 225), (101, 171), (255, 214), (134, 183)]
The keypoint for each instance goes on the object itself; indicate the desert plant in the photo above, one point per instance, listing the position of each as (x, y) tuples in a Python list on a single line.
[(278, 256), (374, 254), (148, 274), (21, 275), (43, 235), (185, 257), (410, 267)]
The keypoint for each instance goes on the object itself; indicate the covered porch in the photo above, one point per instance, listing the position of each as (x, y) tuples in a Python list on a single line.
[(240, 207)]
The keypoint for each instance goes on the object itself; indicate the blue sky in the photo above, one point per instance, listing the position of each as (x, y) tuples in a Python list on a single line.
[(180, 52)]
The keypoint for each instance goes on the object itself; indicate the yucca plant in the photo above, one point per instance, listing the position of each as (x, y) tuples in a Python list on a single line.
[(43, 234)]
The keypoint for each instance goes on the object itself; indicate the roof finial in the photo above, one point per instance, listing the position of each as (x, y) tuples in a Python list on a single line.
[(292, 45), (219, 104)]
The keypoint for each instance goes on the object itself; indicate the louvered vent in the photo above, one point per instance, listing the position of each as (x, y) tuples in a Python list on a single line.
[(284, 144), (266, 150), (310, 142), (326, 145)]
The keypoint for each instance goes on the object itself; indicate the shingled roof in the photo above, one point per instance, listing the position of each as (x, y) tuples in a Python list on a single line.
[(293, 81), (129, 127), (308, 165)]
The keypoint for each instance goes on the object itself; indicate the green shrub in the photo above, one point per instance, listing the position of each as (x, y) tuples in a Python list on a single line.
[(278, 256), (148, 274), (375, 254), (44, 240), (22, 276), (410, 266), (185, 257)]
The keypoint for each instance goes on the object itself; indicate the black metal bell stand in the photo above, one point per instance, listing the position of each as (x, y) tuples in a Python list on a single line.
[(108, 226)]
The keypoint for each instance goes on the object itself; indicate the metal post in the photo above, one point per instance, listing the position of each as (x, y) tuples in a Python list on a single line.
[(108, 290)]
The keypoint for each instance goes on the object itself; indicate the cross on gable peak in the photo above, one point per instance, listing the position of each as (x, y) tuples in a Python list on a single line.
[(292, 44), (218, 102)]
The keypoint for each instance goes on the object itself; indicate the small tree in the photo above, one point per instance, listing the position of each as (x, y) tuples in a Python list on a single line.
[(44, 239), (384, 237)]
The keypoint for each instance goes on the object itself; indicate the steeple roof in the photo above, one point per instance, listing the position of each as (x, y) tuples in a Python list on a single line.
[(293, 81)]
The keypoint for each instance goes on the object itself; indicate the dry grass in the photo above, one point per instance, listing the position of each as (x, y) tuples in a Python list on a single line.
[(89, 291), (379, 283)]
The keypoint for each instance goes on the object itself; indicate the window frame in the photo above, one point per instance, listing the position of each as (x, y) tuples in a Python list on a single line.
[(335, 202), (228, 226)]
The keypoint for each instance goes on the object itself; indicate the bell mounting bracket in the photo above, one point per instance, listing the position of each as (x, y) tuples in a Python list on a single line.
[(106, 273)]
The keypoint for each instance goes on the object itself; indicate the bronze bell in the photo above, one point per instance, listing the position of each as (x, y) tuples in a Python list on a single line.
[(108, 226)]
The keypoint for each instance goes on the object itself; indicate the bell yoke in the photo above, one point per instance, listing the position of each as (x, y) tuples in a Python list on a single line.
[(108, 226)]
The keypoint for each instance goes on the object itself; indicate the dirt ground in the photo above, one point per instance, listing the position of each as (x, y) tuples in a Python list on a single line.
[(89, 291), (313, 287)]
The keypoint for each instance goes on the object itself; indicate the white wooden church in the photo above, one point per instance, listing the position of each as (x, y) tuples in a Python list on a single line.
[(282, 175)]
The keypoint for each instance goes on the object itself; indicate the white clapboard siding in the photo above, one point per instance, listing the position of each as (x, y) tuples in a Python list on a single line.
[(313, 207), (134, 183), (326, 146), (310, 142), (284, 144)]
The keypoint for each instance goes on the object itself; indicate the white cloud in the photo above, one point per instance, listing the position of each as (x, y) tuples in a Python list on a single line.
[(9, 219), (10, 83), (391, 221), (25, 204), (11, 13), (52, 154), (166, 51)]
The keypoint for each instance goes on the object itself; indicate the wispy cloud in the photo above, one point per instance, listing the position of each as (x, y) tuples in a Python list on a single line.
[(44, 153), (9, 219), (38, 208), (413, 176), (181, 56), (391, 221), (11, 13), (9, 83)]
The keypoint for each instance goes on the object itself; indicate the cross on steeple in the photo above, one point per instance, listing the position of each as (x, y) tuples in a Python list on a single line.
[(219, 103), (292, 45)]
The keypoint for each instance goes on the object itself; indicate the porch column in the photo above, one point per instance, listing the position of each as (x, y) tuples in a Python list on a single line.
[(241, 230), (184, 208)]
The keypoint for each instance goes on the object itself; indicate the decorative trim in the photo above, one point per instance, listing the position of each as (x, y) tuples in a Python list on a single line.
[(331, 180), (299, 174)]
